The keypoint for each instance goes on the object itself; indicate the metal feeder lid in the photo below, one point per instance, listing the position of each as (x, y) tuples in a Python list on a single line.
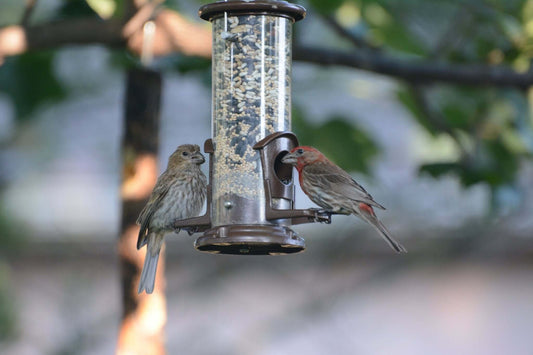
[(242, 7)]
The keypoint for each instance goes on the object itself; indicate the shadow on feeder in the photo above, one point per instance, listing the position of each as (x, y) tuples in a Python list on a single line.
[(272, 238)]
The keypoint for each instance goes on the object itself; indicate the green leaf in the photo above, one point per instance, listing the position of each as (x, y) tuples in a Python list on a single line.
[(75, 8), (122, 59), (464, 107), (29, 81), (456, 116), (492, 163), (326, 6), (396, 37), (504, 164), (186, 64), (405, 96), (437, 170), (104, 8), (7, 309), (340, 140)]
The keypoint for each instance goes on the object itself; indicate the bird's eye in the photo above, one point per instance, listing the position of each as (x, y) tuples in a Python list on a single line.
[(300, 151), (185, 154)]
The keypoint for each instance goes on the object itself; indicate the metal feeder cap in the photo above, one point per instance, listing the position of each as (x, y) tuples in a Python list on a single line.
[(244, 7)]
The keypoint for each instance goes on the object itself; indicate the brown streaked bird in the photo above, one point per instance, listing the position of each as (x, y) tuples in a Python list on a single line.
[(178, 194), (335, 190)]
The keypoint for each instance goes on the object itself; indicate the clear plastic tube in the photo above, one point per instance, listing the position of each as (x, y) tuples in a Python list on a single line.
[(251, 99)]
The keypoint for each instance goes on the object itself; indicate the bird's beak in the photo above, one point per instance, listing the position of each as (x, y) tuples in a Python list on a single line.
[(289, 159), (198, 158)]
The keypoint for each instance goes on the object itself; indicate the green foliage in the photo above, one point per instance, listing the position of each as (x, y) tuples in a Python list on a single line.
[(491, 127), (326, 6), (13, 234), (104, 8), (340, 140), (462, 107), (439, 169), (122, 59), (29, 81), (492, 163), (75, 8), (407, 98), (192, 64), (7, 309)]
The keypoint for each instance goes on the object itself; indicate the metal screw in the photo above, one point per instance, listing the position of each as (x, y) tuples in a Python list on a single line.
[(228, 205)]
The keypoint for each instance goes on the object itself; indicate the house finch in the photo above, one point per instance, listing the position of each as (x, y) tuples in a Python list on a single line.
[(332, 188), (178, 194)]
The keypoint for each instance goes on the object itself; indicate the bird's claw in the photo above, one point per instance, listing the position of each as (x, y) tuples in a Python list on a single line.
[(191, 230), (322, 215)]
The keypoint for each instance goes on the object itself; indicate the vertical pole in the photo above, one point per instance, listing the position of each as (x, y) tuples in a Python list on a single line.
[(144, 316)]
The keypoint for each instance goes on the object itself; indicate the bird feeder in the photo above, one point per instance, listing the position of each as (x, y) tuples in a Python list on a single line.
[(251, 192)]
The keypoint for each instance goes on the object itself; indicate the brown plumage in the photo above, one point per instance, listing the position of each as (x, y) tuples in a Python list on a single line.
[(333, 189), (178, 194)]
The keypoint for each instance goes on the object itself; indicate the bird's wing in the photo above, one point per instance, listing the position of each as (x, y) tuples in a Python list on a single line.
[(338, 181), (158, 194)]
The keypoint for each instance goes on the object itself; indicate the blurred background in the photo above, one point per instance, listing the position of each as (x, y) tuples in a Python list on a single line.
[(426, 103)]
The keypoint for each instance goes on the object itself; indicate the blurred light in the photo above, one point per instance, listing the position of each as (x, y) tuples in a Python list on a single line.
[(521, 63), (12, 41), (140, 182), (529, 28), (427, 148), (153, 314), (363, 89), (348, 15), (495, 56), (514, 142), (376, 15), (104, 8)]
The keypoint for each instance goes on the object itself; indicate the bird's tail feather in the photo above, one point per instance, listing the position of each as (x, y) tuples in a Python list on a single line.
[(374, 221), (147, 280)]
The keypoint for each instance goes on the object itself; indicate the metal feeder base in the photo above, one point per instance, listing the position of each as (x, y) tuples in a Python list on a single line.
[(250, 240)]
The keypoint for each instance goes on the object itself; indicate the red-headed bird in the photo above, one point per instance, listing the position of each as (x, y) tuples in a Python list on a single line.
[(179, 193), (333, 189)]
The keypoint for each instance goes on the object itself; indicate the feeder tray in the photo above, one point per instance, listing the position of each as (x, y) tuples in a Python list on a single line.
[(250, 240), (263, 239)]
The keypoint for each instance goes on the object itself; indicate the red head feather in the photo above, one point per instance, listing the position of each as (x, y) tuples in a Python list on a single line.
[(306, 155)]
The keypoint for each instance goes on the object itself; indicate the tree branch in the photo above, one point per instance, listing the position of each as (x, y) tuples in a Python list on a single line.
[(418, 71), (79, 31), (174, 33), (357, 41), (373, 58), (28, 11)]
